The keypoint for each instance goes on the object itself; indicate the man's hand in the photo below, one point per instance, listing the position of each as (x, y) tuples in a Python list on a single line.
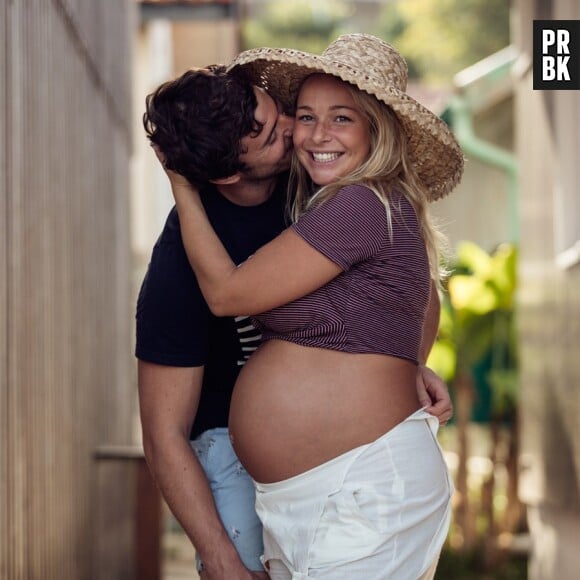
[(433, 394), (226, 564)]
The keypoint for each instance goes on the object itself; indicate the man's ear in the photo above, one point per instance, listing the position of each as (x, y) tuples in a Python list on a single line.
[(227, 180)]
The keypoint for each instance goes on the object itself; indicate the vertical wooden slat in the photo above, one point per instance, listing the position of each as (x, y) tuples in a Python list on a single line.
[(16, 469), (4, 225), (148, 515)]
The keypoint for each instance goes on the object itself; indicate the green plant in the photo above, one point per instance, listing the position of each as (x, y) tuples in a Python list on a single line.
[(301, 24), (477, 329)]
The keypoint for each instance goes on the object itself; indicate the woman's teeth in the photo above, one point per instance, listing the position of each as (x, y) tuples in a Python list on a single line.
[(325, 157)]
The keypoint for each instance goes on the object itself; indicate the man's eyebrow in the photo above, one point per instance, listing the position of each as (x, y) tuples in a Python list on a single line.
[(269, 139)]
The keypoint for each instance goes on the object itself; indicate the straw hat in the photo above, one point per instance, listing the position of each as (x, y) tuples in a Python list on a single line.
[(377, 68)]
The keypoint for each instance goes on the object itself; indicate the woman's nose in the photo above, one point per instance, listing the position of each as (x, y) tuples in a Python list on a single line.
[(319, 132)]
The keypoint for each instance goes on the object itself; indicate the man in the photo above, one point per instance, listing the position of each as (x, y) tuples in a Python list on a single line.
[(232, 141)]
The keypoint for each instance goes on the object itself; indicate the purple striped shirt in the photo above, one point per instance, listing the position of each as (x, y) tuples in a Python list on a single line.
[(378, 303)]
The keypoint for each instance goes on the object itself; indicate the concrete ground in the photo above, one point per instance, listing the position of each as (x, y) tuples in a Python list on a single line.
[(178, 557)]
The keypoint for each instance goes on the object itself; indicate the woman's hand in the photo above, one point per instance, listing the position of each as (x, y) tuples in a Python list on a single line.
[(433, 394), (179, 184)]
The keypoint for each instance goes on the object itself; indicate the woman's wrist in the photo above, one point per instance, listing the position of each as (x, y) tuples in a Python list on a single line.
[(185, 194)]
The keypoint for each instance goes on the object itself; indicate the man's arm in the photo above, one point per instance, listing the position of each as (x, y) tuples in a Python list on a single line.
[(432, 391), (168, 401)]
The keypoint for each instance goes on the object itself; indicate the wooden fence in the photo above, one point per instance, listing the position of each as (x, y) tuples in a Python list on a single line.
[(65, 305)]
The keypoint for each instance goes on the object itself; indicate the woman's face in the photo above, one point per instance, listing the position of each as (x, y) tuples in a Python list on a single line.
[(331, 134)]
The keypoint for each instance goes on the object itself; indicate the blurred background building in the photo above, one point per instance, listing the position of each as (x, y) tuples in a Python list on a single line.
[(548, 141)]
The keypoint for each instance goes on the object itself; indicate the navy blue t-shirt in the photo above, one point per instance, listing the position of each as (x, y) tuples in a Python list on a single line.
[(174, 325)]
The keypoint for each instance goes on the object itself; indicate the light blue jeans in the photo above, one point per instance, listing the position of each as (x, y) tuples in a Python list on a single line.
[(234, 495)]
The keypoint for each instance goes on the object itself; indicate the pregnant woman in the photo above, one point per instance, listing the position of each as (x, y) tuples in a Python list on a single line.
[(350, 479)]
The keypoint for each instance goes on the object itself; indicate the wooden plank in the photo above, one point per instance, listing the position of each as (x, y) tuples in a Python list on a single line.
[(64, 282)]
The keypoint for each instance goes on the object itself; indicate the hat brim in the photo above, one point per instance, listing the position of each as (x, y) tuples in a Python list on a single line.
[(433, 149)]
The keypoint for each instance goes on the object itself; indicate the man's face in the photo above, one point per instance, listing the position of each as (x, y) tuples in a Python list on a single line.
[(269, 153)]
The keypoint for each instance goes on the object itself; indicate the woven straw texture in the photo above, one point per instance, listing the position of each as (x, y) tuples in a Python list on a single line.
[(377, 68)]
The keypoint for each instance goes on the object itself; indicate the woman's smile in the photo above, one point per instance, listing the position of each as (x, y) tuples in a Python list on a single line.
[(325, 157)]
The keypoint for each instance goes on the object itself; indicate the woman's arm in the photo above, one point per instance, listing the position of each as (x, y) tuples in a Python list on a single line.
[(282, 271)]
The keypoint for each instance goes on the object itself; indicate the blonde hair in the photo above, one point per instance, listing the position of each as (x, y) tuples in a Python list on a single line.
[(387, 168)]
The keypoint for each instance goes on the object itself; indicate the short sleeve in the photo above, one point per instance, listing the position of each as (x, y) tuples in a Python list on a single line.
[(348, 228), (172, 318)]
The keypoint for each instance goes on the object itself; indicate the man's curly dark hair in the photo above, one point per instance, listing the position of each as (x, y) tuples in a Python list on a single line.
[(198, 120)]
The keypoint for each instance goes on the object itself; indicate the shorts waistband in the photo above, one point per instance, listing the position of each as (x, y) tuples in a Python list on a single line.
[(215, 432)]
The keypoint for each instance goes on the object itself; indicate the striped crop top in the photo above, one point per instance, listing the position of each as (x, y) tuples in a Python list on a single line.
[(378, 303)]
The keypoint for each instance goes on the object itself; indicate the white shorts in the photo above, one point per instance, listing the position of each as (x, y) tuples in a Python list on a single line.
[(380, 511)]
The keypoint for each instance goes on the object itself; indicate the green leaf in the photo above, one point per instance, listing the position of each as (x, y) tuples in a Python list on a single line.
[(442, 359), (472, 257), (472, 294)]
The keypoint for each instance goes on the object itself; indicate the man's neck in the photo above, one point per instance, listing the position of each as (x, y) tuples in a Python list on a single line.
[(248, 192)]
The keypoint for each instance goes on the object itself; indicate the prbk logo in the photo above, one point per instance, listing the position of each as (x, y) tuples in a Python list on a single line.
[(556, 54)]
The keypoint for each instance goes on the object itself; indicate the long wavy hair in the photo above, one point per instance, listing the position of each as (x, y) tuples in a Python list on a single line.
[(388, 168)]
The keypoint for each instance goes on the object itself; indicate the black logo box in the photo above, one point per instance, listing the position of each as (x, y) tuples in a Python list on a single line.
[(556, 55)]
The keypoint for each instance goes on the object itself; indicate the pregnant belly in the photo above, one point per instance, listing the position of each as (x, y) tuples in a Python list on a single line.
[(296, 407)]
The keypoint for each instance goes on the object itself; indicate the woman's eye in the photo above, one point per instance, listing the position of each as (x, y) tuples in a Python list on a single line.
[(305, 118), (342, 119)]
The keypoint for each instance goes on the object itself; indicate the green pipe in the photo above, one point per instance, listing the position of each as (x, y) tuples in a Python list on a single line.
[(461, 121)]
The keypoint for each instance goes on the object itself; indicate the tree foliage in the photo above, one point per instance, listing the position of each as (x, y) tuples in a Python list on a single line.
[(441, 37), (478, 321), (300, 24), (437, 37)]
